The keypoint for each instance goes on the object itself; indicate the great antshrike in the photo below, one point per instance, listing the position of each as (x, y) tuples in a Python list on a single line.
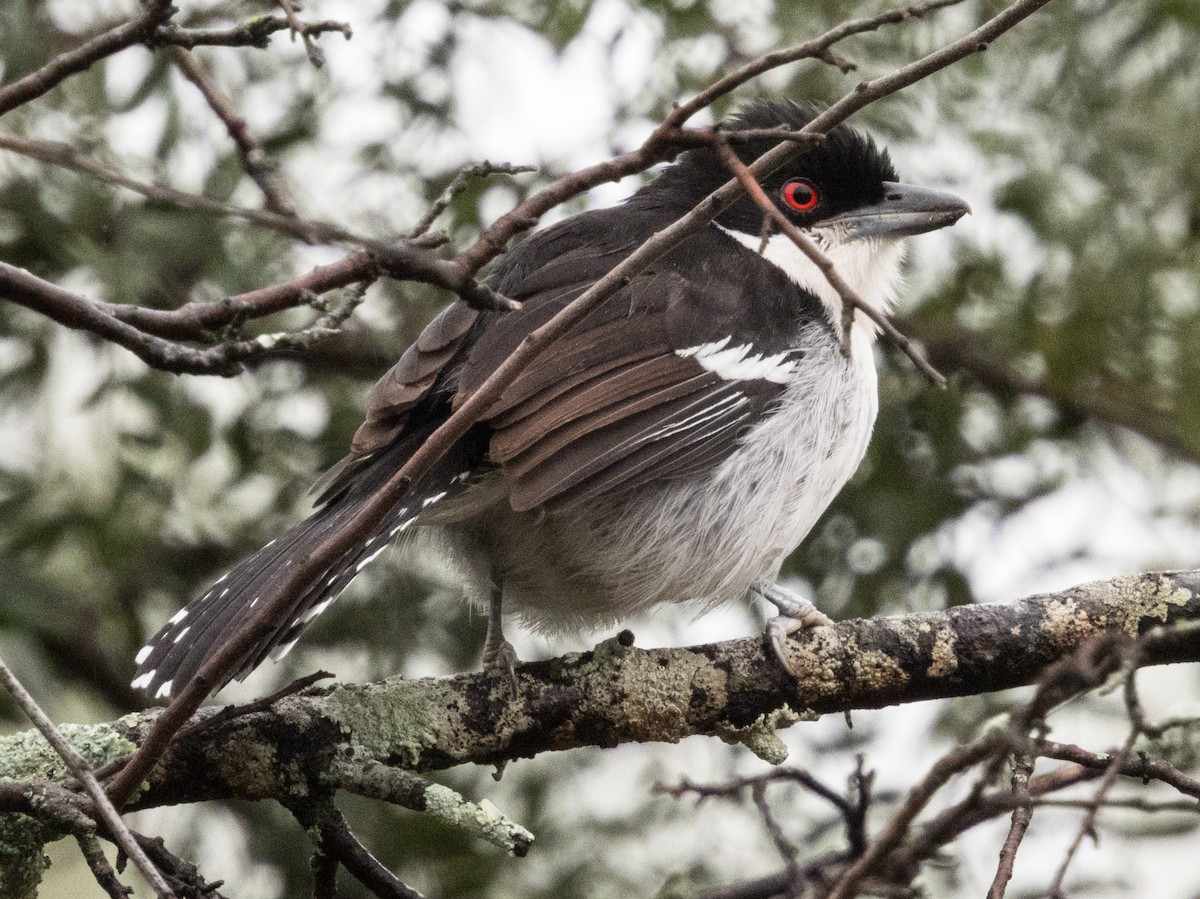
[(674, 446)]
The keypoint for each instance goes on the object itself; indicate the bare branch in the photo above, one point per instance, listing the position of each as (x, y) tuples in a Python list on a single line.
[(1021, 816), (958, 760), (1140, 767), (254, 159), (254, 33), (459, 183), (136, 31), (105, 876), (335, 840), (817, 48), (83, 773)]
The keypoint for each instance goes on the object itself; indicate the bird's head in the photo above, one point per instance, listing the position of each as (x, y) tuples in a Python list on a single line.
[(844, 191)]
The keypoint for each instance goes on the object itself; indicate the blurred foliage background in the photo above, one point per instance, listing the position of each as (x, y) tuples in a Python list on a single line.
[(1066, 310)]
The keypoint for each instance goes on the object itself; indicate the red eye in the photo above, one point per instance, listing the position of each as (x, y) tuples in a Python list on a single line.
[(801, 195)]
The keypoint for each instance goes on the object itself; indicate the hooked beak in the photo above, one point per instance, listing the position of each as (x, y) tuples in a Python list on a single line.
[(905, 210)]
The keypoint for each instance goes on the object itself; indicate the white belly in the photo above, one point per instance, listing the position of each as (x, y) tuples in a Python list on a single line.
[(705, 541)]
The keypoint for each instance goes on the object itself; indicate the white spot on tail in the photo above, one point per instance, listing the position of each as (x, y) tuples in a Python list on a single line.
[(369, 559), (314, 611), (280, 651), (164, 690), (402, 526), (182, 634), (143, 681), (178, 616), (432, 499), (143, 654)]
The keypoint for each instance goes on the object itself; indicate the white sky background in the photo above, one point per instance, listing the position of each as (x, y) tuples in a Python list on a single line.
[(517, 101)]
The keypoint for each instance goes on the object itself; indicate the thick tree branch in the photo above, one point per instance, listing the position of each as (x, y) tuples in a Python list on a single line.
[(617, 693)]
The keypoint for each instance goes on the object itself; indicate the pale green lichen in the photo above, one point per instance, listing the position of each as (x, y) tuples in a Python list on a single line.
[(655, 699), (27, 755), (1133, 600), (761, 736), (1065, 623), (22, 862), (877, 671), (945, 659), (483, 820), (386, 720)]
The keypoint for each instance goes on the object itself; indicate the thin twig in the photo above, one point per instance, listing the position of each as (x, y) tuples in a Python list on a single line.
[(290, 11), (785, 848), (1087, 826), (137, 30), (334, 839), (459, 183), (102, 871), (1021, 816), (816, 48), (254, 33), (183, 873), (79, 767), (250, 150), (954, 762)]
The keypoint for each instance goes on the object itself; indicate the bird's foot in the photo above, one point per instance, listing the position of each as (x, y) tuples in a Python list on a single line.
[(795, 614), (500, 659)]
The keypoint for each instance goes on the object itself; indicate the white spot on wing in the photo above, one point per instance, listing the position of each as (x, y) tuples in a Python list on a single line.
[(432, 499), (164, 690), (280, 651), (182, 634), (741, 363), (143, 654), (178, 616), (142, 681)]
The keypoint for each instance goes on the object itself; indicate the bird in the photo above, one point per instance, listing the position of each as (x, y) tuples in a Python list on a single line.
[(674, 446)]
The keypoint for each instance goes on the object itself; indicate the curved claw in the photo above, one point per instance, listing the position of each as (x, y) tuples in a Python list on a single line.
[(499, 658), (795, 614)]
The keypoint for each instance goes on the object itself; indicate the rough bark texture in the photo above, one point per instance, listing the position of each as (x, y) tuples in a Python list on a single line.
[(617, 693)]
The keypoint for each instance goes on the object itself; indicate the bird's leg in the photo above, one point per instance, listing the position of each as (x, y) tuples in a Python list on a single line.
[(499, 657), (795, 613)]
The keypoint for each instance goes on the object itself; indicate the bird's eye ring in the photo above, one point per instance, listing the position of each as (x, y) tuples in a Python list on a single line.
[(800, 195)]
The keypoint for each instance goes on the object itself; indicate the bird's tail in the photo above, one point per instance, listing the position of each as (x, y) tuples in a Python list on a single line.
[(176, 653)]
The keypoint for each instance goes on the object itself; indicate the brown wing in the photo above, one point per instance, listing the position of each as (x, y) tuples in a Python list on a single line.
[(410, 380)]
